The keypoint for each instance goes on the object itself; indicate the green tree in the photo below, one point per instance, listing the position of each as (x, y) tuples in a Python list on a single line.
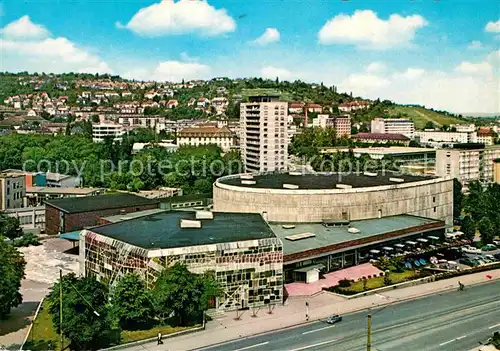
[(387, 279), (468, 228), (457, 198), (10, 227), (486, 229), (12, 266), (178, 291), (132, 303), (211, 290), (429, 125), (85, 315)]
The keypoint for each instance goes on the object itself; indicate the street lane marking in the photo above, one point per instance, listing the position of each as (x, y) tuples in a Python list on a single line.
[(494, 326), (450, 341), (315, 330), (252, 346), (446, 342), (318, 344)]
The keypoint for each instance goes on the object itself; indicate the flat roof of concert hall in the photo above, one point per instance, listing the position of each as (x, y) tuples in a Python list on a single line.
[(321, 180)]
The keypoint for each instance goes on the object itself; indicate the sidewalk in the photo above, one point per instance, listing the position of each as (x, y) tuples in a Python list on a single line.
[(293, 312)]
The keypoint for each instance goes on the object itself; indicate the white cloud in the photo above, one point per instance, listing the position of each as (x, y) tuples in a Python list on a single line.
[(23, 28), (26, 47), (458, 90), (474, 68), (493, 27), (410, 73), (361, 83), (184, 16), (474, 45), (272, 72), (375, 67), (270, 35), (171, 71), (366, 29)]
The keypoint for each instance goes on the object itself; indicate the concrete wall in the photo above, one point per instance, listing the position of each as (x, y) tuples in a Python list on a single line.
[(431, 198)]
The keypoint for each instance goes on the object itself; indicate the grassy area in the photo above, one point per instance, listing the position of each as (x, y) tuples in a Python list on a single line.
[(43, 335), (129, 336), (420, 116), (378, 282)]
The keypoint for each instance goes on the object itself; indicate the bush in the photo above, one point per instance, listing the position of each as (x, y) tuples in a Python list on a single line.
[(26, 240), (387, 280), (344, 283)]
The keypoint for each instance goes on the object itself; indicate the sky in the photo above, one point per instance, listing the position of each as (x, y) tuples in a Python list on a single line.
[(440, 54)]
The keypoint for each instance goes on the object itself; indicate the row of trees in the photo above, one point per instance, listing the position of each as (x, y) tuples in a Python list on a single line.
[(111, 164), (12, 265), (93, 316), (482, 208)]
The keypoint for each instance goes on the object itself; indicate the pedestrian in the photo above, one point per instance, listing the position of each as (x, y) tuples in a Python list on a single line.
[(159, 339)]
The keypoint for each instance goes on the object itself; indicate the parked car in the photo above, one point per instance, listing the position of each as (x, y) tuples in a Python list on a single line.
[(489, 258), (497, 256), (471, 250), (468, 261), (489, 247), (334, 319)]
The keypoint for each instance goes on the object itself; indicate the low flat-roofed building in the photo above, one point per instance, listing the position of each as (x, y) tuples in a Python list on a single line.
[(76, 213), (381, 138), (37, 195), (240, 248), (341, 244), (29, 217)]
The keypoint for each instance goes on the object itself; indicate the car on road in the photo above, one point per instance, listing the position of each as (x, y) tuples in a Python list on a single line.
[(471, 250), (489, 247), (334, 319)]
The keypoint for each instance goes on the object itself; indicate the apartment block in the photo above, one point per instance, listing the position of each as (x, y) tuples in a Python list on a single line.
[(12, 190), (342, 124), (107, 129), (196, 136), (393, 126), (496, 171), (264, 134), (429, 136), (468, 164)]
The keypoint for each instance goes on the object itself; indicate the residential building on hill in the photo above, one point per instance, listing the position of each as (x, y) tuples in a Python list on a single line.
[(342, 124), (196, 136), (264, 134), (107, 129), (393, 126), (485, 136)]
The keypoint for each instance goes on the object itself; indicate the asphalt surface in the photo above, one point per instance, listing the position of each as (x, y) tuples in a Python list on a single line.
[(452, 321)]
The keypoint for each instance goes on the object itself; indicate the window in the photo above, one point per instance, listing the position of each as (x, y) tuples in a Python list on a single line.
[(435, 209), (433, 199)]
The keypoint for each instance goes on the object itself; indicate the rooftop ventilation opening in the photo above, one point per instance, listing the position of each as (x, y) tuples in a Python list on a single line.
[(290, 186), (370, 174), (188, 223), (288, 226), (397, 180), (248, 182), (353, 230), (300, 236), (294, 173), (343, 186), (246, 176), (204, 215), (335, 222)]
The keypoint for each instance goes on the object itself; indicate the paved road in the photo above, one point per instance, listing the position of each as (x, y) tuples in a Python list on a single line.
[(451, 321)]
